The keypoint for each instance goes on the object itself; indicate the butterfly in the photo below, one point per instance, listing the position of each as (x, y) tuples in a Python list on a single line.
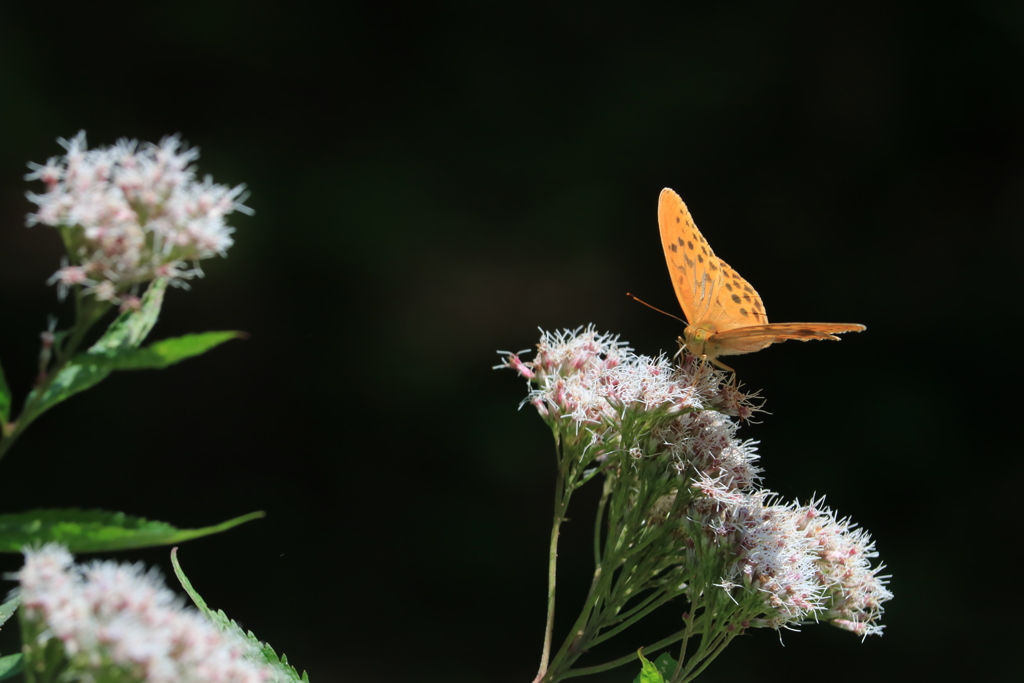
[(724, 315)]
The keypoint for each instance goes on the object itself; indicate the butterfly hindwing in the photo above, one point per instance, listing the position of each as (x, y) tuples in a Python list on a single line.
[(737, 303)]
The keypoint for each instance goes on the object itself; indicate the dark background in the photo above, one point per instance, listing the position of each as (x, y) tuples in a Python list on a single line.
[(431, 183)]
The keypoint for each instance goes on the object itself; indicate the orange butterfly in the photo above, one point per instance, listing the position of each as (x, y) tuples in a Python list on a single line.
[(724, 314)]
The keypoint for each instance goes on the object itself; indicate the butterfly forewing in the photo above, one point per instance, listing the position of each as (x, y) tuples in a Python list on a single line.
[(694, 268)]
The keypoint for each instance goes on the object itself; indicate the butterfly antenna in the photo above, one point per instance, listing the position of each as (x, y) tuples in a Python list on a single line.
[(641, 301)]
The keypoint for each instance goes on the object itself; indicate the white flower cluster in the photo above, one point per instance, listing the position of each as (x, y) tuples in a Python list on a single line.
[(854, 591), (793, 562), (119, 616), (130, 214), (806, 564), (589, 377)]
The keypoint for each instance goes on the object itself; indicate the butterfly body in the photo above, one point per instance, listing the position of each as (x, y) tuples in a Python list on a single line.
[(724, 314)]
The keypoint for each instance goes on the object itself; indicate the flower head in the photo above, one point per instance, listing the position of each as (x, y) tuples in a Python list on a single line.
[(582, 380), (131, 213), (120, 617), (588, 378)]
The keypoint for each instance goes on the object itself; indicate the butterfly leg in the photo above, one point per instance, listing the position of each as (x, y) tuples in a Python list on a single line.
[(720, 364)]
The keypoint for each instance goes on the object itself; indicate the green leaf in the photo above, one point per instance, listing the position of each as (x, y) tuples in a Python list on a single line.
[(131, 327), (89, 531), (88, 369), (162, 353), (5, 397), (127, 331), (222, 621), (118, 349), (8, 609), (11, 665), (78, 375), (657, 671), (648, 672)]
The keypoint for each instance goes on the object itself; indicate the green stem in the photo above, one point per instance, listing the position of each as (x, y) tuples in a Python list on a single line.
[(635, 614), (87, 314), (578, 639), (562, 494), (622, 519), (605, 493), (707, 648), (687, 632), (719, 644), (593, 616), (598, 668)]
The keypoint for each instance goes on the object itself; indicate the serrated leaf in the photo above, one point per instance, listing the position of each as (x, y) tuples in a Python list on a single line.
[(657, 671), (5, 397), (162, 353), (11, 665), (222, 621), (8, 609), (89, 531)]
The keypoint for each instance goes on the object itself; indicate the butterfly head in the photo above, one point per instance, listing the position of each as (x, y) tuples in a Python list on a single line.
[(697, 340)]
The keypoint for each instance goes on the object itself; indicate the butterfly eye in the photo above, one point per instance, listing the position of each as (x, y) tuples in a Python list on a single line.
[(699, 334)]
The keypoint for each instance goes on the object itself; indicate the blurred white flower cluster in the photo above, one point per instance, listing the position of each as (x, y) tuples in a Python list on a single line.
[(131, 213), (614, 411), (119, 622)]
